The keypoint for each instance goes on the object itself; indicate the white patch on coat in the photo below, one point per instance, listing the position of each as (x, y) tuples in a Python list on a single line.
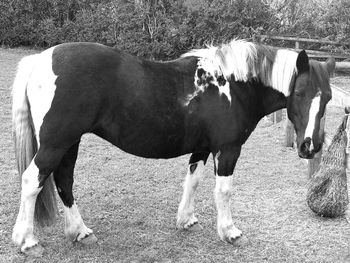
[(314, 109), (41, 88), (23, 234), (212, 69), (24, 70), (185, 215), (75, 228)]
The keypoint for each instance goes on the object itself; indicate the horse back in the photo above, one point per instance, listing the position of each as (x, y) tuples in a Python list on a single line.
[(133, 103)]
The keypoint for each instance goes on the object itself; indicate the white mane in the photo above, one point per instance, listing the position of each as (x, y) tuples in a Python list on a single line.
[(246, 61)]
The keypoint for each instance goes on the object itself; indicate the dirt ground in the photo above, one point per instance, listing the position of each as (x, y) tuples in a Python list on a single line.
[(131, 203)]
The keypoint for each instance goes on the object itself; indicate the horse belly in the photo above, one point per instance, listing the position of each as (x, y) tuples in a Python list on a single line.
[(146, 138)]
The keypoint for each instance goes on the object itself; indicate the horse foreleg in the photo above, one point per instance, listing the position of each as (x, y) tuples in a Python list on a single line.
[(75, 229), (225, 162), (23, 230), (185, 216)]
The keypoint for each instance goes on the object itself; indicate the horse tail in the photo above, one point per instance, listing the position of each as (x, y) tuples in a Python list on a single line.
[(26, 144)]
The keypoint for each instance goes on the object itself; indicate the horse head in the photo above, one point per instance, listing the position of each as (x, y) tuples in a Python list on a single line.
[(306, 105)]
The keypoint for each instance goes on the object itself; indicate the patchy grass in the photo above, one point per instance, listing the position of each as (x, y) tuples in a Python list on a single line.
[(131, 203)]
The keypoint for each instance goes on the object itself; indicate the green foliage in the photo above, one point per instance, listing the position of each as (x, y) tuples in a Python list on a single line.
[(336, 22), (163, 29), (221, 20)]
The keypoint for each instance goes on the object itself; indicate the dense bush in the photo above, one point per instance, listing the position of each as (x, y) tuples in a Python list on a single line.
[(163, 29)]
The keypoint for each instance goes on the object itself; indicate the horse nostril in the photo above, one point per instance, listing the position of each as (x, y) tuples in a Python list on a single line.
[(305, 146), (317, 148)]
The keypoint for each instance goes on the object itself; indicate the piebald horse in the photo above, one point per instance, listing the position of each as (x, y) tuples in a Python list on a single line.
[(207, 101)]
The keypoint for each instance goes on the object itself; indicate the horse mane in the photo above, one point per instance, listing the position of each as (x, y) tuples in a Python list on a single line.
[(247, 61)]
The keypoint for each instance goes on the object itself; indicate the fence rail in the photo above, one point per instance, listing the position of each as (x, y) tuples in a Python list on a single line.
[(316, 54), (300, 39)]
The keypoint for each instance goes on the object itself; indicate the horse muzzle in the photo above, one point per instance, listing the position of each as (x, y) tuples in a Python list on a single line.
[(307, 150)]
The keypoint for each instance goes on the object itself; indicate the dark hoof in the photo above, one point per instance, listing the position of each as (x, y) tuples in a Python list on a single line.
[(35, 251), (89, 240)]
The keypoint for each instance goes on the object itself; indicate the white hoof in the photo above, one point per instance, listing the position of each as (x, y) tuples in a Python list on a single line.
[(22, 236), (85, 233), (186, 222), (78, 234), (229, 233)]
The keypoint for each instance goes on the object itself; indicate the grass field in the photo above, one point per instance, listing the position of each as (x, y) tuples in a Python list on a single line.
[(131, 203)]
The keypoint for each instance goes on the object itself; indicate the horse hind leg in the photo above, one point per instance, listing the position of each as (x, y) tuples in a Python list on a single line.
[(185, 216), (75, 229), (23, 231), (34, 179)]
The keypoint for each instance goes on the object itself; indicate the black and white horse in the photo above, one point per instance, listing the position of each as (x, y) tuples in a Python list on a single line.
[(207, 101)]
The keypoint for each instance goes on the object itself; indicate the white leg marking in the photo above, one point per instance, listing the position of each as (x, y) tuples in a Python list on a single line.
[(314, 109), (23, 229), (223, 190), (75, 228), (185, 214)]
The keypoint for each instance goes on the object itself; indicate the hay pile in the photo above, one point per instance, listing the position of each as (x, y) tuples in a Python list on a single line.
[(327, 193)]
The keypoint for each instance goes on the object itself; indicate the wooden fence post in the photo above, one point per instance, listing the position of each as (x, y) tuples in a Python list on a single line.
[(276, 116), (314, 163), (297, 44), (289, 134)]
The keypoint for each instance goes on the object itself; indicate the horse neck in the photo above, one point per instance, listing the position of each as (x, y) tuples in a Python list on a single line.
[(273, 100), (264, 99)]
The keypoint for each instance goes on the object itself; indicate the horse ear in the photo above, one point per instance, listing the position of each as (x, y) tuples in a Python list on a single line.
[(302, 62), (330, 64)]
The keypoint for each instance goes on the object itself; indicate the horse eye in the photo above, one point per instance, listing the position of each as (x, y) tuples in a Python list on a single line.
[(298, 93)]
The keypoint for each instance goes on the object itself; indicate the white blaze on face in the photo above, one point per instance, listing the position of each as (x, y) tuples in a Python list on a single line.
[(314, 109)]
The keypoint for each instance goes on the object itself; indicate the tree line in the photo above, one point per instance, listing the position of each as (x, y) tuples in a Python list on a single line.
[(164, 29)]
